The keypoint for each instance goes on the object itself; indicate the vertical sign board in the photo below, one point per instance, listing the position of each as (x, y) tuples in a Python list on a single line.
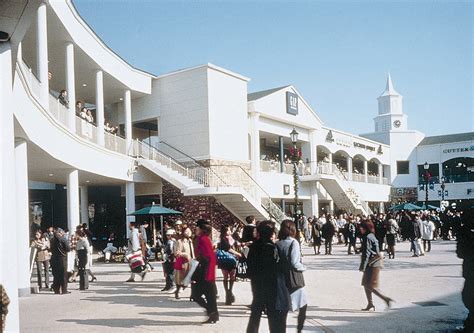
[(291, 103)]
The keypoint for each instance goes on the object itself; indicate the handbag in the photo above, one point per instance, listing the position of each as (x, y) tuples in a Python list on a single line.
[(241, 271), (225, 260), (135, 261), (376, 261), (294, 279), (179, 262), (192, 268)]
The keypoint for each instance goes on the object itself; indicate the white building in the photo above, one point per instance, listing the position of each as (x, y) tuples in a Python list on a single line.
[(198, 129)]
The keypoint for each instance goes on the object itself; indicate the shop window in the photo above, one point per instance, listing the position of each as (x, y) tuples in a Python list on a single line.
[(403, 167)]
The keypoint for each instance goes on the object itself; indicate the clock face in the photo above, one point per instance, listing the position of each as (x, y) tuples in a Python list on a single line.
[(397, 123)]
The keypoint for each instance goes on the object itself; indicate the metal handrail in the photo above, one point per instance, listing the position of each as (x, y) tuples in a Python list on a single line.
[(332, 169)]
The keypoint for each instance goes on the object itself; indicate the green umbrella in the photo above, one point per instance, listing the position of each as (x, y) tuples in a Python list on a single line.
[(405, 206), (156, 210)]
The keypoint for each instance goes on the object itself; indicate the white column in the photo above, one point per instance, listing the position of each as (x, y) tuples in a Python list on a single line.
[(313, 156), (380, 165), (129, 204), (84, 191), (330, 162), (73, 218), (381, 207), (349, 167), (127, 107), (314, 200), (71, 86), (42, 53), (8, 232), (255, 144), (22, 217), (331, 207), (366, 171), (99, 103)]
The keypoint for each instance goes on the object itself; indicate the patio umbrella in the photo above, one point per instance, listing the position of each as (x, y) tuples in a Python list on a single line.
[(405, 206), (155, 210)]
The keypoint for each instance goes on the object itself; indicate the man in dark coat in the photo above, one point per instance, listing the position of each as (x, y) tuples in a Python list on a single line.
[(328, 231), (262, 269), (465, 251), (59, 249)]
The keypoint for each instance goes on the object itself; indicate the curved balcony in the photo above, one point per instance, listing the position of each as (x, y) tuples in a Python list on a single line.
[(49, 131)]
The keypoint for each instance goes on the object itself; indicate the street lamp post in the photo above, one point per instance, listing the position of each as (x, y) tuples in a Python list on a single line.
[(427, 178), (295, 159)]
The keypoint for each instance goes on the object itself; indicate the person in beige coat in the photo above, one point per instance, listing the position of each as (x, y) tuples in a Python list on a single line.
[(41, 244), (184, 252)]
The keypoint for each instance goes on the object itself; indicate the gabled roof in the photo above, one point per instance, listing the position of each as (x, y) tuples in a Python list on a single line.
[(440, 139), (259, 94)]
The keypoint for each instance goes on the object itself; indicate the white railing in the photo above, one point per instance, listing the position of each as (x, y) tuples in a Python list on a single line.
[(357, 177), (213, 176), (269, 166), (32, 80), (332, 169), (373, 179)]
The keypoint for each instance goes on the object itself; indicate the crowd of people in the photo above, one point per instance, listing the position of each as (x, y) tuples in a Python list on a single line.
[(257, 251), (68, 254), (419, 227)]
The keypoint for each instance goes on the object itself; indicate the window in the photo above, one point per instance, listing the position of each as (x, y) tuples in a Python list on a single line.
[(403, 167)]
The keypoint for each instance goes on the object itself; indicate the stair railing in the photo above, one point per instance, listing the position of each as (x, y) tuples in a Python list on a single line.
[(332, 169)]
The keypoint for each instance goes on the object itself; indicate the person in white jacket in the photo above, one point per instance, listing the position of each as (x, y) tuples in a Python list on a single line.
[(428, 229)]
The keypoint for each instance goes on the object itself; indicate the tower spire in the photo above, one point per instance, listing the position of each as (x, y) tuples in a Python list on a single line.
[(389, 89)]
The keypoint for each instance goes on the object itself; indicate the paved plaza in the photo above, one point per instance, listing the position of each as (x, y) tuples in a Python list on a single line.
[(426, 290)]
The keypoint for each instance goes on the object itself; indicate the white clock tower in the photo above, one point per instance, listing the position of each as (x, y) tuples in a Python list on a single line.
[(391, 128), (391, 116)]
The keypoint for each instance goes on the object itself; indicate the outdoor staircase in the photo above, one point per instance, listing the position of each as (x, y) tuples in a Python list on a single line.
[(231, 185), (340, 191)]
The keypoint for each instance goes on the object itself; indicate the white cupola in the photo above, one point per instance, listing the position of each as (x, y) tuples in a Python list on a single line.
[(391, 116)]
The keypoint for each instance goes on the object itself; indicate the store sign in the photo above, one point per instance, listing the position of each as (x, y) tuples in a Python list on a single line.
[(458, 150), (291, 103), (362, 146)]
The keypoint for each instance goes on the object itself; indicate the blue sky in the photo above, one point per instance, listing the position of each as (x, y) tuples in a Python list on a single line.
[(336, 53)]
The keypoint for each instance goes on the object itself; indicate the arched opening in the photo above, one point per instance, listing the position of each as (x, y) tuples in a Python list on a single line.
[(323, 154), (339, 159), (458, 170)]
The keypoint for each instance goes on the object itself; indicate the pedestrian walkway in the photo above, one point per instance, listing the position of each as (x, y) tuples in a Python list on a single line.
[(426, 290)]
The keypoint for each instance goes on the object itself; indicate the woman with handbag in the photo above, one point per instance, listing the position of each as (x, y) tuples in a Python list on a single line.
[(205, 276), (370, 263), (184, 252), (228, 263), (291, 275)]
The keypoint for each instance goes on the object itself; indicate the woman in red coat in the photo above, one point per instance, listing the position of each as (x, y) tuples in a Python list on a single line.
[(205, 283)]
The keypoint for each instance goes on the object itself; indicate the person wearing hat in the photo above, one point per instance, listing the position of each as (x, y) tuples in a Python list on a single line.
[(168, 269)]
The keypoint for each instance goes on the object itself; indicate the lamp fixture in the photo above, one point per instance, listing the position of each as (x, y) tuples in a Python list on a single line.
[(426, 166), (294, 136), (121, 98), (84, 84), (51, 175)]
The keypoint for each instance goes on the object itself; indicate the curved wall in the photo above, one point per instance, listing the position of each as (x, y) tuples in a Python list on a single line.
[(86, 39), (47, 133)]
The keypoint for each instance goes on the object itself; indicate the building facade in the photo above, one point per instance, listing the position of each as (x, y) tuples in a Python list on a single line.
[(194, 139)]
